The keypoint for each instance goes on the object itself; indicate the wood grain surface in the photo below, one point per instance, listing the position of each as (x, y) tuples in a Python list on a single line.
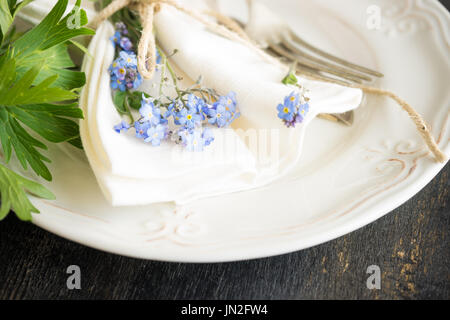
[(410, 245)]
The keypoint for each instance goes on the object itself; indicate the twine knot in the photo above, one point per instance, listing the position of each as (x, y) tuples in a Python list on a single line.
[(146, 53)]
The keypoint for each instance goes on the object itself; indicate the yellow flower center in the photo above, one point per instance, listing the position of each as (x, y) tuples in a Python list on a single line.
[(286, 110), (189, 117)]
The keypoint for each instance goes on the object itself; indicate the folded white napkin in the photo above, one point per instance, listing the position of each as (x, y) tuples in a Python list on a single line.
[(258, 150)]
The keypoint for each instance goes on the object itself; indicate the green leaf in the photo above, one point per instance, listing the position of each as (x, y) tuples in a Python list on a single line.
[(6, 17), (46, 45), (8, 38), (69, 27), (53, 30), (44, 119), (14, 137), (81, 47), (17, 7), (13, 193), (37, 88), (8, 11), (56, 129), (290, 79), (53, 61), (34, 39), (119, 102), (76, 142), (135, 98), (7, 70), (23, 102)]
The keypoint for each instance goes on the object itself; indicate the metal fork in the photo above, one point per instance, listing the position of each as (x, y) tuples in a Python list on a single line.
[(273, 34)]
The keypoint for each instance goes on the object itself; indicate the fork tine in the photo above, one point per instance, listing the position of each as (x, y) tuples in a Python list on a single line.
[(318, 76), (286, 43), (283, 52), (324, 54), (343, 62), (309, 72), (343, 118)]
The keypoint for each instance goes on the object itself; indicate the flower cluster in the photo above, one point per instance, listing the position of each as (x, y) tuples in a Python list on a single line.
[(184, 120), (293, 110), (123, 70)]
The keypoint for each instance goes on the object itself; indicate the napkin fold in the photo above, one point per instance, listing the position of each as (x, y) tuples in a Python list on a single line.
[(256, 151)]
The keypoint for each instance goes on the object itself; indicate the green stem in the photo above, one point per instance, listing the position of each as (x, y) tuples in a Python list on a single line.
[(172, 74), (163, 74), (127, 106)]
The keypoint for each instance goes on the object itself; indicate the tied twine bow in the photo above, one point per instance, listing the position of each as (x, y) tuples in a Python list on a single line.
[(229, 29)]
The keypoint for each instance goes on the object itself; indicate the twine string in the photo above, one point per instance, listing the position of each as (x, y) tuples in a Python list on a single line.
[(420, 123), (229, 29), (146, 47)]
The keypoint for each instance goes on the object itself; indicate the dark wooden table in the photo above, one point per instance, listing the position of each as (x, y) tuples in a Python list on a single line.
[(410, 245)]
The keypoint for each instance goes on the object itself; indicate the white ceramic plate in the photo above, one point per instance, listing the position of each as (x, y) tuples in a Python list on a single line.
[(349, 176)]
